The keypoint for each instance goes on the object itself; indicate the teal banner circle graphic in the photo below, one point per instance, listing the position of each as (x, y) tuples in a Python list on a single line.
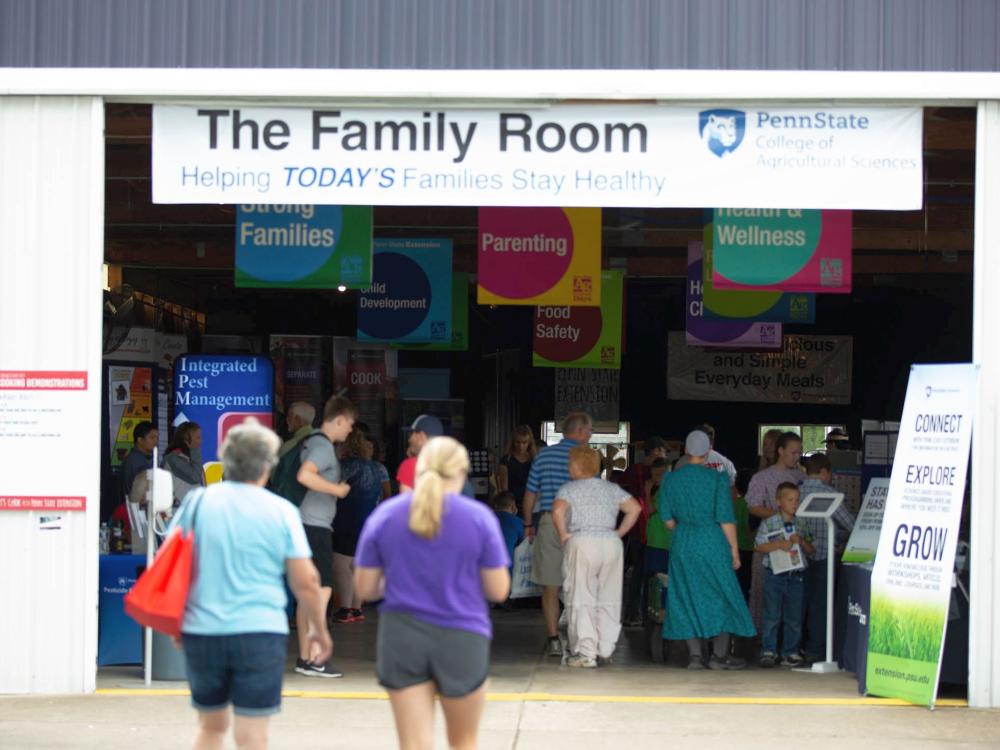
[(762, 247)]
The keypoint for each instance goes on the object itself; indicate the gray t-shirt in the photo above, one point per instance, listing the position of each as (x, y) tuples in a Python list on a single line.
[(593, 506), (319, 508)]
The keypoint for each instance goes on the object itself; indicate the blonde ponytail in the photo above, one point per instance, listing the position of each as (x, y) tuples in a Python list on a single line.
[(441, 459)]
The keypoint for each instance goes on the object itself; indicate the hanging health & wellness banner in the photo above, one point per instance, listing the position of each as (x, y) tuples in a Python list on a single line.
[(582, 336)]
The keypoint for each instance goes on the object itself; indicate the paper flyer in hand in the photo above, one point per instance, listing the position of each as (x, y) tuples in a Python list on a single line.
[(782, 561)]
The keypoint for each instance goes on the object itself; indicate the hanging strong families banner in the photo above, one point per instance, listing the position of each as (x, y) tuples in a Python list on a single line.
[(807, 370), (912, 577), (410, 296), (540, 256), (303, 246), (734, 334), (582, 336), (782, 250), (598, 154)]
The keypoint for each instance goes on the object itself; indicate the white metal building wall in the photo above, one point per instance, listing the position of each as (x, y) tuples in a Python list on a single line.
[(51, 251)]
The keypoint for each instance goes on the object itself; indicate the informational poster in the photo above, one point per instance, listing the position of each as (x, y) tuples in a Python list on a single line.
[(130, 401), (863, 542), (597, 392), (219, 392), (807, 370), (148, 345), (813, 155), (368, 374), (410, 296), (912, 577), (459, 320), (303, 246), (765, 307), (582, 336), (782, 250), (540, 256), (302, 371), (734, 334)]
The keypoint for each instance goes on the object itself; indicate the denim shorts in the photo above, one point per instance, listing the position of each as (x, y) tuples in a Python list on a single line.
[(245, 670)]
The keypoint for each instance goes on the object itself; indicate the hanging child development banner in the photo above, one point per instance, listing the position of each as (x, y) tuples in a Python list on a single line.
[(582, 336), (912, 577), (782, 250), (303, 246), (409, 298), (540, 256), (459, 320)]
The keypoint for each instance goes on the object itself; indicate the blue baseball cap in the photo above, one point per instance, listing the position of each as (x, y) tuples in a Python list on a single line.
[(429, 425)]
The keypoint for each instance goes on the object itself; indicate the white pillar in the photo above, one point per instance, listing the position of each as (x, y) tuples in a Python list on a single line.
[(984, 628)]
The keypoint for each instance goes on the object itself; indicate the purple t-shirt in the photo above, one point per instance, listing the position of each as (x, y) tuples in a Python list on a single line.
[(435, 580)]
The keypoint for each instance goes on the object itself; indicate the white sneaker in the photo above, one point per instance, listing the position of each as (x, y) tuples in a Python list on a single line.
[(579, 660)]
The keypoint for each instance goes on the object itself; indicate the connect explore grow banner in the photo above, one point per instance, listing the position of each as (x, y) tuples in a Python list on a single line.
[(614, 154), (912, 577), (582, 336), (782, 250), (410, 296), (539, 256)]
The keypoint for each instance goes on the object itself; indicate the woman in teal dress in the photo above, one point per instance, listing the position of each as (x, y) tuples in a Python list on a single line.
[(703, 596)]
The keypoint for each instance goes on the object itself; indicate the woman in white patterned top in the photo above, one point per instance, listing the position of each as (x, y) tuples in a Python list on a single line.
[(584, 514)]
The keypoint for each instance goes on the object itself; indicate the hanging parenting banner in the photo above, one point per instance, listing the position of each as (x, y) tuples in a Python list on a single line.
[(220, 391), (459, 320), (734, 334), (303, 246), (599, 154), (807, 370), (765, 307), (582, 336), (540, 256), (863, 542), (410, 296), (912, 577), (782, 250)]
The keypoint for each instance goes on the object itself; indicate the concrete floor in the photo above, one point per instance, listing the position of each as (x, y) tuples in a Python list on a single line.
[(534, 703)]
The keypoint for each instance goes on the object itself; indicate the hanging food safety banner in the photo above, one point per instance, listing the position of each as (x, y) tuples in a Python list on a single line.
[(582, 336), (539, 256), (782, 250), (633, 155), (912, 577)]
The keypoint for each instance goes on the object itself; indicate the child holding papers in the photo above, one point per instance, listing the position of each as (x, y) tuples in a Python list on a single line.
[(785, 541)]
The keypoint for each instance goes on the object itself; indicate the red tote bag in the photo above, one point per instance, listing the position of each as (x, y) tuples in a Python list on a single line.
[(157, 600)]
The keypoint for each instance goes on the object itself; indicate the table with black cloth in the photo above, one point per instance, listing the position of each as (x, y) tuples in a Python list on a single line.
[(119, 637), (851, 626)]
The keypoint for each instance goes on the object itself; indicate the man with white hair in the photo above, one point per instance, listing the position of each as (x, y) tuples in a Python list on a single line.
[(299, 419)]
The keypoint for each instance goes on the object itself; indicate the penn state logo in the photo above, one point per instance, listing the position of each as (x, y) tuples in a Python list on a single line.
[(722, 130)]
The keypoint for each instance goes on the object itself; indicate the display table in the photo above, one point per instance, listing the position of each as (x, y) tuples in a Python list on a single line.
[(119, 638)]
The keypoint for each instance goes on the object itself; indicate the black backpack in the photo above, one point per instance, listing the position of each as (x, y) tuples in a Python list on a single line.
[(284, 479)]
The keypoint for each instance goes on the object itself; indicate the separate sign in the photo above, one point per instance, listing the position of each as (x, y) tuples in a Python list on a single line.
[(540, 256), (302, 370), (912, 577), (737, 334), (409, 298), (863, 542), (582, 336), (596, 392), (303, 246), (808, 370), (786, 250), (613, 154), (219, 391)]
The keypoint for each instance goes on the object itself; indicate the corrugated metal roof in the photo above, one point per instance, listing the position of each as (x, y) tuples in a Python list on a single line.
[(939, 35)]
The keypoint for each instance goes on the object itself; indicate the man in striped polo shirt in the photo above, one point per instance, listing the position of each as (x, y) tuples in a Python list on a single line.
[(549, 472)]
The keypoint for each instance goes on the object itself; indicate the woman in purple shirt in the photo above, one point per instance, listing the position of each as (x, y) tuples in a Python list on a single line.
[(435, 558)]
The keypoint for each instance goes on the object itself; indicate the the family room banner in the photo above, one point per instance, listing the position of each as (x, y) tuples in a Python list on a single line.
[(912, 577), (410, 296), (766, 307), (219, 391), (782, 250), (582, 336), (807, 370), (303, 246), (737, 334), (459, 320), (540, 256), (859, 156)]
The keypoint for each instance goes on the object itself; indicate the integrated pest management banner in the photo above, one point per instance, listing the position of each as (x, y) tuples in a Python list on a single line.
[(593, 155), (911, 580)]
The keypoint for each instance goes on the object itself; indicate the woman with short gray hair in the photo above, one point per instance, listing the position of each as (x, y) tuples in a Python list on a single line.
[(234, 628)]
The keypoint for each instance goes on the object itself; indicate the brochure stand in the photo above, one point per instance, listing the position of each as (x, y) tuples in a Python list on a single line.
[(824, 505)]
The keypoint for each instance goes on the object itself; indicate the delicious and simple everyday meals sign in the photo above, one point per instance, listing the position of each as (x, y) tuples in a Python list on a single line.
[(565, 155)]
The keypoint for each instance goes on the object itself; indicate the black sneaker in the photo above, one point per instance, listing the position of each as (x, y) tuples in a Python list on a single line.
[(726, 662), (695, 663), (792, 660), (309, 669), (768, 660)]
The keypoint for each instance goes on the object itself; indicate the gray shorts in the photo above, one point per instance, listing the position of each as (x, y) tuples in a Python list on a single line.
[(411, 652), (547, 554)]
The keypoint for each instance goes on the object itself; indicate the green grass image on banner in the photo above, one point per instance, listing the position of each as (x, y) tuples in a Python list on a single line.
[(910, 631)]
